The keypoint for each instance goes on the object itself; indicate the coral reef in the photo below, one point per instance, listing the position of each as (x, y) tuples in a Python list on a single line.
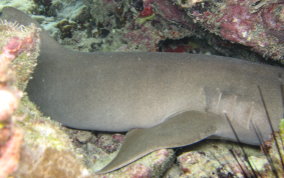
[(30, 145), (136, 26), (16, 42), (256, 24), (109, 25), (221, 159), (215, 159)]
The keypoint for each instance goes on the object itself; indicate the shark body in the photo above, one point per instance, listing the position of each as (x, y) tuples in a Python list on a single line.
[(164, 100)]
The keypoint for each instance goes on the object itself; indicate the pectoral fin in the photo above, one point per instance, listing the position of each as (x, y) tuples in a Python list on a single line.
[(179, 130)]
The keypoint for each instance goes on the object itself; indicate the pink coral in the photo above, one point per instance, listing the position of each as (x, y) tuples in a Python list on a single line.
[(10, 154), (16, 46), (8, 103), (11, 136)]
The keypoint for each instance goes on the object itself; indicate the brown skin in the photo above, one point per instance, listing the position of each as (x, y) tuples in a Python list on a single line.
[(124, 91)]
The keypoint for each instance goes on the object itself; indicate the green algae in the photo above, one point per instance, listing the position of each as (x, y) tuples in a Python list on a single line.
[(142, 20), (281, 127), (258, 163)]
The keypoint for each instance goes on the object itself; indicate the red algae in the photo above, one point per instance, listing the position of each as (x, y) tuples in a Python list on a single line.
[(236, 23), (147, 11), (259, 26), (273, 17)]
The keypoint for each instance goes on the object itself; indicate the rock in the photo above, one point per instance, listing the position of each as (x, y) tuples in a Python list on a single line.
[(83, 136), (258, 25), (152, 165)]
